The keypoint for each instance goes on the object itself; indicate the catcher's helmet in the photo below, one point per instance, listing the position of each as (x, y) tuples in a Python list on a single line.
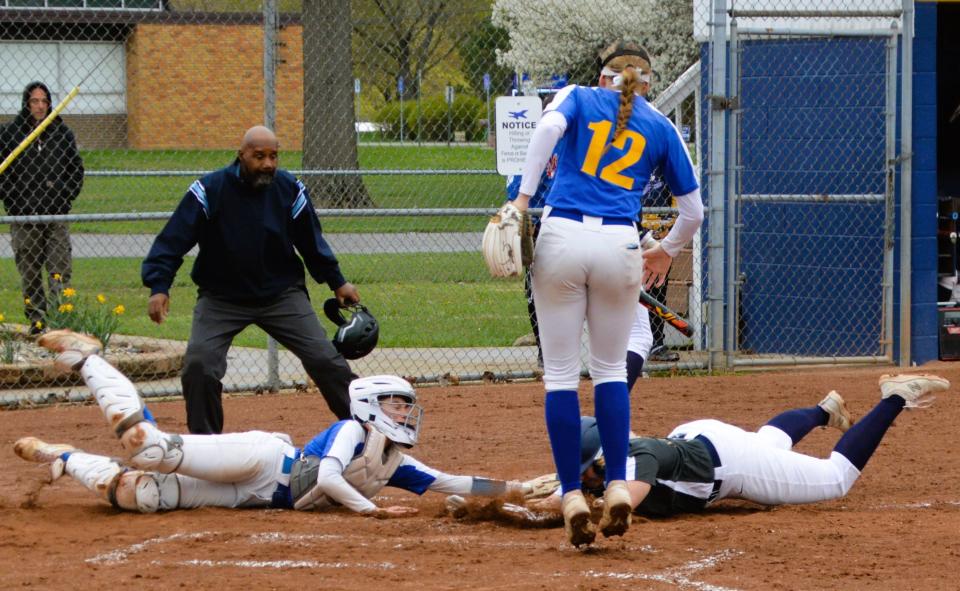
[(400, 420), (356, 337)]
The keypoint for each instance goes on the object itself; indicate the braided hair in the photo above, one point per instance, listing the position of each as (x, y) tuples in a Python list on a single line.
[(628, 85), (631, 64)]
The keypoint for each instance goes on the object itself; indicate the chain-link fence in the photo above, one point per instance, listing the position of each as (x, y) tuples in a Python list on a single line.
[(810, 183), (385, 110)]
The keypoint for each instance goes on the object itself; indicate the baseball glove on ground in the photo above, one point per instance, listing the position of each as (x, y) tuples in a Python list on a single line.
[(501, 242)]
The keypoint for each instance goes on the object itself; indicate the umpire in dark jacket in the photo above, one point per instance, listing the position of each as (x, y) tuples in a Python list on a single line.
[(247, 219), (43, 180)]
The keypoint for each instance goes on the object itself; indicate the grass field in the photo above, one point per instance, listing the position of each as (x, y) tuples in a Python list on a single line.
[(420, 300), (153, 194)]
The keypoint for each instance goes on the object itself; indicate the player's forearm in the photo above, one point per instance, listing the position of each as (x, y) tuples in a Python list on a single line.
[(331, 482), (687, 224), (472, 485)]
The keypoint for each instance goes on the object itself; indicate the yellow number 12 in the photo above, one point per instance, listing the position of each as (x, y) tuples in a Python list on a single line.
[(611, 172)]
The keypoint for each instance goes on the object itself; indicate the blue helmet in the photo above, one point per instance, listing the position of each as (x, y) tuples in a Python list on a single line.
[(590, 449)]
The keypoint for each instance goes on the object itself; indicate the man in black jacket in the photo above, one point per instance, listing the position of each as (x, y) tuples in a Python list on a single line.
[(250, 220), (43, 180)]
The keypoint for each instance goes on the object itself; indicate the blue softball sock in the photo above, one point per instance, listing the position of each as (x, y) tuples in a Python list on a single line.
[(862, 439), (562, 411), (634, 369), (797, 423), (612, 404)]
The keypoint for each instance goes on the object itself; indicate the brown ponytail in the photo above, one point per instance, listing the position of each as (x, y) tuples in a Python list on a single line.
[(627, 88)]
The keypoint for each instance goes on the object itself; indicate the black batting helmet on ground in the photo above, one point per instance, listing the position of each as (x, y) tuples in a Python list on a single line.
[(356, 337)]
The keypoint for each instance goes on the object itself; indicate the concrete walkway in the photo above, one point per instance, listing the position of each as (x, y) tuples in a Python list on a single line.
[(138, 245)]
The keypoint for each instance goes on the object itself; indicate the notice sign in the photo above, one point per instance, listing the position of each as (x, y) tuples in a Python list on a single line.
[(517, 118)]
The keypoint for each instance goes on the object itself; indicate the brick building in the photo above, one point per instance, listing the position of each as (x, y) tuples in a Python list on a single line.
[(180, 80)]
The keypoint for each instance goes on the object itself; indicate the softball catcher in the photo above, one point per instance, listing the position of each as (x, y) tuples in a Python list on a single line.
[(588, 264), (346, 464)]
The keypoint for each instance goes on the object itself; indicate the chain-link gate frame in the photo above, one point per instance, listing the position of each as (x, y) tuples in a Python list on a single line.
[(794, 293)]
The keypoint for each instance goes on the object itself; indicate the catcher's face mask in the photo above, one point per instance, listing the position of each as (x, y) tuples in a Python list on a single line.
[(389, 405)]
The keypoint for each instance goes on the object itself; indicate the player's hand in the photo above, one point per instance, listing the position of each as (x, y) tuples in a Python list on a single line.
[(158, 307), (393, 512), (656, 264), (347, 294)]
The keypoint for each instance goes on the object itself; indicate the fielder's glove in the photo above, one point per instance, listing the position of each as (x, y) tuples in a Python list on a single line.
[(501, 242), (540, 487)]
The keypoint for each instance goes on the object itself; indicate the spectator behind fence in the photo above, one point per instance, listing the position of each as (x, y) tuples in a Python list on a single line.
[(247, 219), (43, 180)]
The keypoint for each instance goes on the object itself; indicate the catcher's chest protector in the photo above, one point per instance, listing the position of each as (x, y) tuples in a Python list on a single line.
[(368, 472)]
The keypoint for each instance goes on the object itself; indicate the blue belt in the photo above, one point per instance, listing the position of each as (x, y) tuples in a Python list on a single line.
[(282, 497), (578, 217), (715, 457)]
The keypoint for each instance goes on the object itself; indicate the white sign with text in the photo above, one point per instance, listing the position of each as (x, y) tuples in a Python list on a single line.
[(517, 118)]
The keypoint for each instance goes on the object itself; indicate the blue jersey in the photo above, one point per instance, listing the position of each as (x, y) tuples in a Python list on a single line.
[(602, 179)]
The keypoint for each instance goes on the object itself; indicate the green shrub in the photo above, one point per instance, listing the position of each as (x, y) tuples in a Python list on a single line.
[(434, 121)]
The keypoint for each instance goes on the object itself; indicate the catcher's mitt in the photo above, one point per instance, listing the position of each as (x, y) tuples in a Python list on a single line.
[(540, 487), (501, 242)]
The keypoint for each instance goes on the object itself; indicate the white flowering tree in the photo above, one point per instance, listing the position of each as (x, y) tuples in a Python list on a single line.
[(564, 36)]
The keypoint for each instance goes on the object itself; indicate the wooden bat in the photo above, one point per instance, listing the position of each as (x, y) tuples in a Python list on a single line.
[(668, 315)]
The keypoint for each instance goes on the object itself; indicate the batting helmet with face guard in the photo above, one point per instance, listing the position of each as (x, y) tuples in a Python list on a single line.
[(357, 336)]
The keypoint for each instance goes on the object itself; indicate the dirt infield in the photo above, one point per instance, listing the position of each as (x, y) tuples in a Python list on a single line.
[(898, 529)]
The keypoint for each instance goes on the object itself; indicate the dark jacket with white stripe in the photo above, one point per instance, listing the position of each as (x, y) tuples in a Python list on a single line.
[(248, 238)]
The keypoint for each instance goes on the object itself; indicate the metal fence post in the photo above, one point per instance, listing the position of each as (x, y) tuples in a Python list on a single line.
[(890, 193), (906, 183), (732, 243), (717, 205), (270, 18)]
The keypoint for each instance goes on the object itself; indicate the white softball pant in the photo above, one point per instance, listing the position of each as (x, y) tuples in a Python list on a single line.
[(585, 270), (231, 470), (641, 336), (761, 467)]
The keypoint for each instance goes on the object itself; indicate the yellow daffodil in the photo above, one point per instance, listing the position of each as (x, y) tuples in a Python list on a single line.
[(101, 299), (119, 310), (56, 276), (66, 308), (1, 318), (69, 292), (38, 324), (26, 301)]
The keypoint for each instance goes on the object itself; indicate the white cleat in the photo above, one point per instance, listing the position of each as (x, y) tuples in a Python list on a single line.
[(73, 347), (616, 509), (35, 450), (576, 519), (916, 390), (836, 408)]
